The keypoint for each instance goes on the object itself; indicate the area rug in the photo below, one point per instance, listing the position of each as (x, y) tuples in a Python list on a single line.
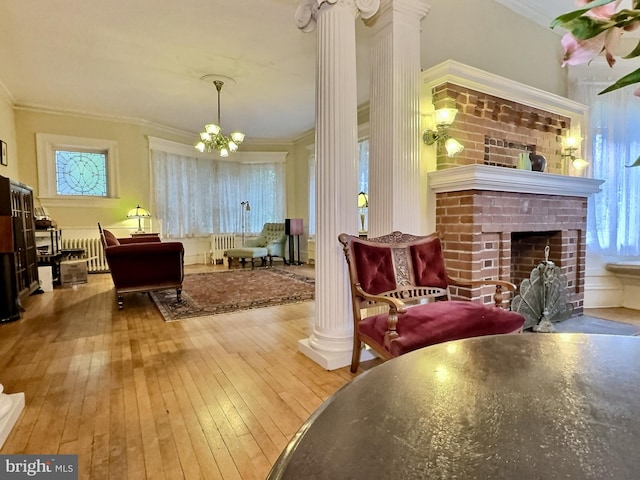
[(234, 290)]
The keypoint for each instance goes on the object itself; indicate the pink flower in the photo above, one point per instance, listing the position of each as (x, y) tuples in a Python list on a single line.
[(602, 13), (577, 51), (637, 92)]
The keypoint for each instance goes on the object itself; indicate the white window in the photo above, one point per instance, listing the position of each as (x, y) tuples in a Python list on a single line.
[(196, 194), (76, 169), (613, 220)]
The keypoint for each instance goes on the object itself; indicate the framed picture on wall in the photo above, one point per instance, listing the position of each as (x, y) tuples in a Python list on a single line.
[(3, 153)]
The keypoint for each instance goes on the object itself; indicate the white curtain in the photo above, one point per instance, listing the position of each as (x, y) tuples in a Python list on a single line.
[(195, 196), (613, 222)]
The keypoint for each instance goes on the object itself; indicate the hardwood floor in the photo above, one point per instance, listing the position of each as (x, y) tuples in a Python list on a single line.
[(135, 397)]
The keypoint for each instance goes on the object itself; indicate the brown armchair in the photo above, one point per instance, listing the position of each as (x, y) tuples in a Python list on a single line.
[(143, 264), (401, 299)]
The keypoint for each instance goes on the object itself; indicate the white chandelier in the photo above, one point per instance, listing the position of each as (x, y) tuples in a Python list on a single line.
[(212, 137)]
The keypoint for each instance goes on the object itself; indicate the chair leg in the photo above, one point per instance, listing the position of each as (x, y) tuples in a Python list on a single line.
[(355, 357), (179, 295), (229, 260)]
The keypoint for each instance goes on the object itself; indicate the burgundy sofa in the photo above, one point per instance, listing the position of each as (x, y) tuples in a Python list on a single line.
[(143, 264)]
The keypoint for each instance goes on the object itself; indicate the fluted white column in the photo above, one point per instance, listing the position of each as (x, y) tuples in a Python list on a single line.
[(336, 171), (395, 195)]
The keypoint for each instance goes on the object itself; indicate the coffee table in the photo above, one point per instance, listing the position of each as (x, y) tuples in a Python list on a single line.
[(532, 406)]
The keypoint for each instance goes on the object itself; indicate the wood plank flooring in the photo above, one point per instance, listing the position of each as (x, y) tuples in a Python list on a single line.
[(135, 397)]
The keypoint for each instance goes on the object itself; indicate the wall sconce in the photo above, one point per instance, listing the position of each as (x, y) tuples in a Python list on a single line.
[(363, 204), (443, 117), (571, 143), (139, 213)]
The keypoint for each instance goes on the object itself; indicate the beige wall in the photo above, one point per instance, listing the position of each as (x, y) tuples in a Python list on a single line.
[(134, 180), (489, 36), (8, 135)]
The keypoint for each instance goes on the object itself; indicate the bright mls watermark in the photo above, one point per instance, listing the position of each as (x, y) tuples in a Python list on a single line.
[(41, 467)]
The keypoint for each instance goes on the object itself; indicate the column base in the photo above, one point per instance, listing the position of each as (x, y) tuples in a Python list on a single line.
[(11, 416), (331, 360)]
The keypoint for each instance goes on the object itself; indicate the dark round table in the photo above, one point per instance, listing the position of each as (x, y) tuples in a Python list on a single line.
[(516, 407)]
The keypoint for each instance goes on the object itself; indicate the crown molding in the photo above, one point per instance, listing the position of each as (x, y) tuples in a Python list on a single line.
[(530, 10), (6, 94)]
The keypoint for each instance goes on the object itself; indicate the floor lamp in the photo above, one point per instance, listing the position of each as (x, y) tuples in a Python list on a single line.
[(245, 208)]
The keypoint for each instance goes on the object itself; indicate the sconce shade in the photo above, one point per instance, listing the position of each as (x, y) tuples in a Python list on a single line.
[(579, 164), (572, 141), (453, 147), (445, 116)]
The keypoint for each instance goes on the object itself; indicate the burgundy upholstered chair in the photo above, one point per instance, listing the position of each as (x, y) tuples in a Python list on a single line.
[(401, 299), (143, 264)]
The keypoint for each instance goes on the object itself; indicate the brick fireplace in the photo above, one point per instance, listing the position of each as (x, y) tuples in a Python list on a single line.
[(495, 223), (495, 220)]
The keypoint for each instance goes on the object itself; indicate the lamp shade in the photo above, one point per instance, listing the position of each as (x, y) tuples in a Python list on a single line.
[(138, 212), (363, 200)]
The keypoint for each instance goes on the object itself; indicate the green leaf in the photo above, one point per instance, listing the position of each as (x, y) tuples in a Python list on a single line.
[(633, 77), (634, 164), (635, 52), (568, 17), (584, 28)]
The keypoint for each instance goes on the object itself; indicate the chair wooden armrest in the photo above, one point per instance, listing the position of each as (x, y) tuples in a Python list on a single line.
[(395, 307), (498, 296)]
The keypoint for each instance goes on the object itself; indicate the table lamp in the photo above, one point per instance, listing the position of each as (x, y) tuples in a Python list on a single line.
[(139, 213)]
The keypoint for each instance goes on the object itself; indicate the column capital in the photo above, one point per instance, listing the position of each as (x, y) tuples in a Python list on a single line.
[(409, 8), (307, 11)]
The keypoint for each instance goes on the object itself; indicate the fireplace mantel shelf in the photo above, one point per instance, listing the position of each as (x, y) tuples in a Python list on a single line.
[(501, 179)]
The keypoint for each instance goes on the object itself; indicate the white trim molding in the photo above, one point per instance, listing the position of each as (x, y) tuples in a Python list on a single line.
[(501, 179)]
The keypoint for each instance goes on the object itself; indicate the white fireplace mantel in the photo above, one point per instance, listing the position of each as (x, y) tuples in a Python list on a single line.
[(502, 179)]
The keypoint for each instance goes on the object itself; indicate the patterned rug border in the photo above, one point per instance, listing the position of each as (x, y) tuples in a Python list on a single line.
[(171, 311)]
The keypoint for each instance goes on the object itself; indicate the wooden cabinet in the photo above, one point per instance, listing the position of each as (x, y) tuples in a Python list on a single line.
[(18, 255)]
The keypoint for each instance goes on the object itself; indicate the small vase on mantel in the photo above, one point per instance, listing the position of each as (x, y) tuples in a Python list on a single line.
[(523, 161), (538, 162)]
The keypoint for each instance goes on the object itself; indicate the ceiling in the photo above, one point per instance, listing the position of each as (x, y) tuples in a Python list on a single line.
[(143, 60)]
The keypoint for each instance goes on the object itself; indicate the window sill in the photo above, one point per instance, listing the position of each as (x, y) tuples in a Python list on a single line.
[(79, 201)]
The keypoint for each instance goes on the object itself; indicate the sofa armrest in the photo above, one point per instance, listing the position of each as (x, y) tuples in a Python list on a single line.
[(149, 239)]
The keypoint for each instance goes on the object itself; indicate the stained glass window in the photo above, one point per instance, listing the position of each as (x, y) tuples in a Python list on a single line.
[(81, 173)]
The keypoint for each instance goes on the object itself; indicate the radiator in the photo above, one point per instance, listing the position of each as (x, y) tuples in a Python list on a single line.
[(93, 251), (220, 243)]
